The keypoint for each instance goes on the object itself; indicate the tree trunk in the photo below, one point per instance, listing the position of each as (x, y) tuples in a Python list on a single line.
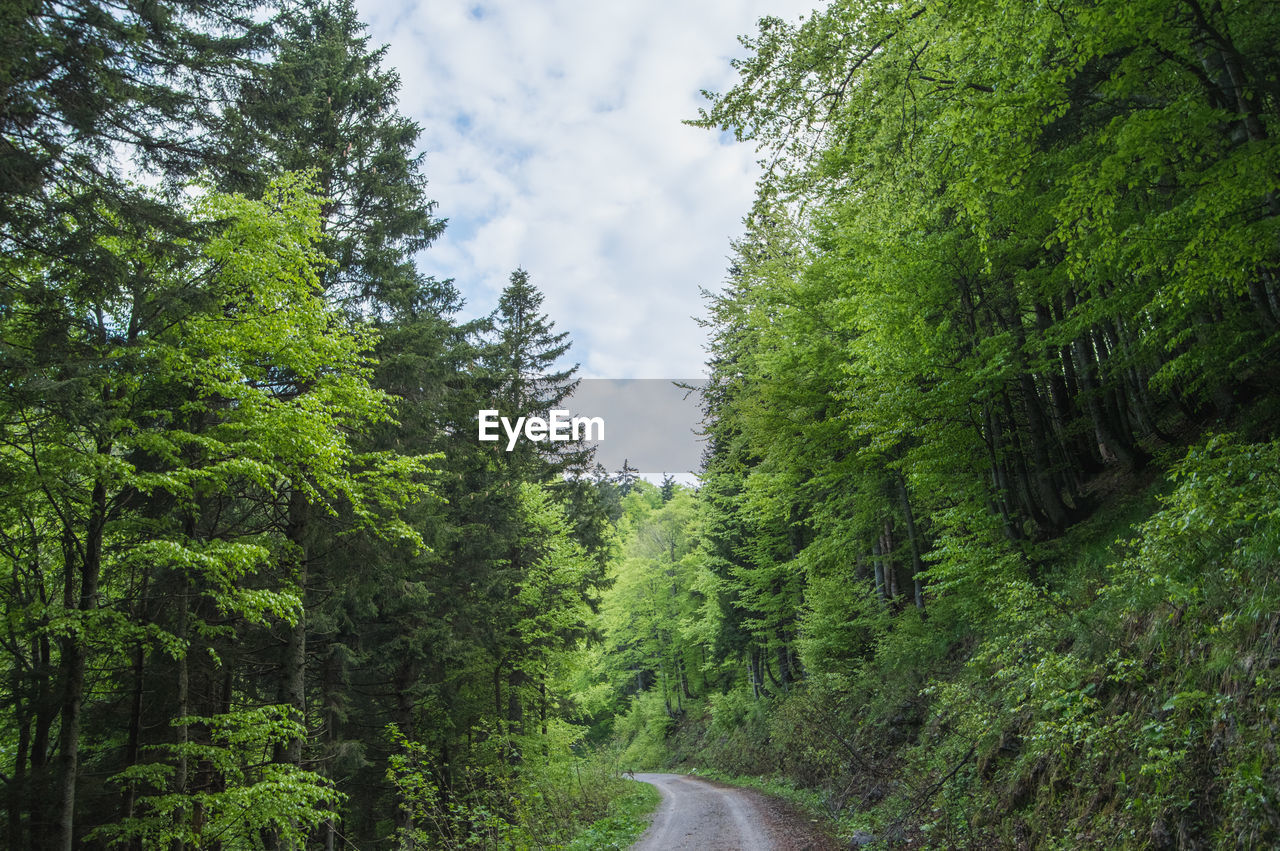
[(1042, 465), (184, 692), (542, 705), (293, 683), (515, 706), (1109, 442), (404, 677), (46, 708), (1021, 470), (999, 479), (784, 664), (133, 742), (913, 540), (888, 548), (17, 783), (878, 567), (497, 689), (330, 688), (74, 658)]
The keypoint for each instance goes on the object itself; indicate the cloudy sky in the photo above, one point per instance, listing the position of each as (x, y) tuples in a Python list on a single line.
[(554, 143)]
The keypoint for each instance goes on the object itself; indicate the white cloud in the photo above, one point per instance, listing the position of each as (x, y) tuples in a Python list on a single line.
[(553, 138)]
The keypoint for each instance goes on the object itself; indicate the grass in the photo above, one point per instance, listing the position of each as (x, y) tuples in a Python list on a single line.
[(629, 815)]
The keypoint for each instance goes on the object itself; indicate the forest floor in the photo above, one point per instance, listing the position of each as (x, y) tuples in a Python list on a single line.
[(701, 814)]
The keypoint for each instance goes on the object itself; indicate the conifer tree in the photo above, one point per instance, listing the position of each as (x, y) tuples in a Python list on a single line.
[(326, 103), (626, 477), (525, 349), (668, 488), (520, 368)]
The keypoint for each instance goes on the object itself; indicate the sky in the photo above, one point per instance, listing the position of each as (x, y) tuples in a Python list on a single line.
[(554, 143)]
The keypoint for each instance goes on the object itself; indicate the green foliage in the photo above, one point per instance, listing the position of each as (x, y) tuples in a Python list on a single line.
[(244, 796), (558, 801), (840, 626), (233, 386), (641, 731), (1116, 723), (325, 104), (1003, 256)]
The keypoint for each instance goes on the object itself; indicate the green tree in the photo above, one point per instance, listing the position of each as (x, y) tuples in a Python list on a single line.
[(523, 377), (652, 603), (668, 487), (626, 477), (325, 102), (136, 492)]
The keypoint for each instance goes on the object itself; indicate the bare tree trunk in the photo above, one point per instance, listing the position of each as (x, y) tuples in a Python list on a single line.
[(878, 566), (74, 656), (293, 682), (1109, 441), (913, 540)]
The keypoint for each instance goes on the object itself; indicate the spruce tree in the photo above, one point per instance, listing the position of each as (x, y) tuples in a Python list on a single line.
[(326, 104), (519, 366), (627, 477), (668, 489), (525, 349)]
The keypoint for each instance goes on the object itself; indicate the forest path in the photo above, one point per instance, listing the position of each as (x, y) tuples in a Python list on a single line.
[(698, 814)]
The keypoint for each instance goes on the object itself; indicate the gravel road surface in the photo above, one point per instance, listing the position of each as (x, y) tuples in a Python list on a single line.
[(698, 814)]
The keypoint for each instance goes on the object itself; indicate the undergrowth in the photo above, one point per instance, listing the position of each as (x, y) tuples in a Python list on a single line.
[(547, 800)]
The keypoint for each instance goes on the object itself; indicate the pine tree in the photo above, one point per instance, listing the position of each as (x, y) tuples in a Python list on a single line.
[(627, 477), (519, 366), (668, 489), (525, 348), (326, 104), (88, 89)]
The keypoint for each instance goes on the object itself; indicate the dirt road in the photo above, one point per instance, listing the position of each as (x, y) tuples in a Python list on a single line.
[(697, 814)]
